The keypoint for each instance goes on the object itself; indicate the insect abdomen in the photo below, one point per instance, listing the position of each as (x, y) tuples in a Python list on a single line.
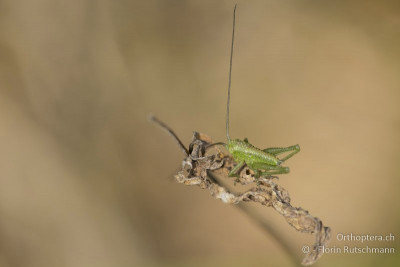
[(242, 151)]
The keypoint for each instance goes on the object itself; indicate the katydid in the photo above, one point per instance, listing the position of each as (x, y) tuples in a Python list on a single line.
[(264, 162)]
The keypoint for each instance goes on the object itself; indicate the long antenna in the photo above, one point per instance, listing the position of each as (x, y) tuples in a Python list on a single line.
[(169, 130), (230, 76)]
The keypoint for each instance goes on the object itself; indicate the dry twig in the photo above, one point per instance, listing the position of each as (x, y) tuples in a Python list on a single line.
[(197, 164)]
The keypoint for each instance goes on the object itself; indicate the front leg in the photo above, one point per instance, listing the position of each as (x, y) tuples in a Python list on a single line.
[(236, 169)]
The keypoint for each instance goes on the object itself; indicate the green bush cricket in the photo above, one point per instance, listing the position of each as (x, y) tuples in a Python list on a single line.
[(264, 162)]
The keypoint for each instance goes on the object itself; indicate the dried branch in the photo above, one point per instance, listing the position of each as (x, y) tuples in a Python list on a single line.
[(194, 172)]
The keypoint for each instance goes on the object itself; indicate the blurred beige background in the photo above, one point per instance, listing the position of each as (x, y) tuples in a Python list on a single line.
[(85, 180)]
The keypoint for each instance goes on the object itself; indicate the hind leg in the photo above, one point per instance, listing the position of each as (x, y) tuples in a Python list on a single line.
[(277, 170), (279, 150), (262, 169)]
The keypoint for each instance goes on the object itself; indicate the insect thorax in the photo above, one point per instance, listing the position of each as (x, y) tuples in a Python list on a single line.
[(243, 151)]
